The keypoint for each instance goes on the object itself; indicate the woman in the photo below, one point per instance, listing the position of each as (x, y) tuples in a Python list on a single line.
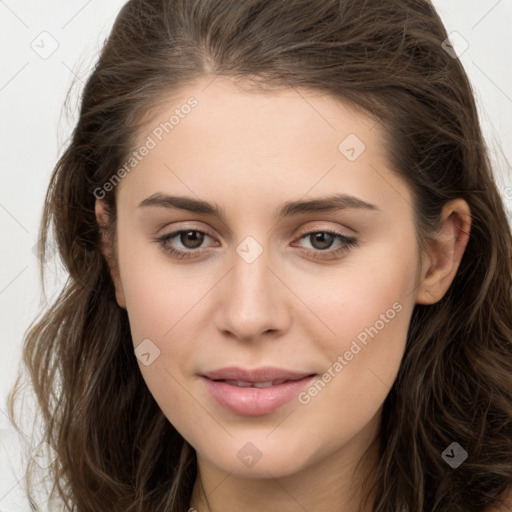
[(290, 269)]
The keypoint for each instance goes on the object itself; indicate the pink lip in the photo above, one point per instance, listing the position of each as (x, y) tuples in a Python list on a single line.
[(253, 401)]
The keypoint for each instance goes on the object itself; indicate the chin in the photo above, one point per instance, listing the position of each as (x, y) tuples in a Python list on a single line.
[(259, 458)]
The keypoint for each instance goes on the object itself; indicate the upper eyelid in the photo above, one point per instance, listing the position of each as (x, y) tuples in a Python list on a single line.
[(192, 227), (320, 229), (301, 231)]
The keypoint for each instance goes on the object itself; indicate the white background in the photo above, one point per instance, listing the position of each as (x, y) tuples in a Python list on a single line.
[(34, 128)]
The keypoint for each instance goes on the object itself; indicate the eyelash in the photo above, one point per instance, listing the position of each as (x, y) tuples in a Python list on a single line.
[(347, 244)]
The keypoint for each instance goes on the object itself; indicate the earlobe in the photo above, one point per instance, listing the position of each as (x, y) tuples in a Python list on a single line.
[(108, 249), (445, 253)]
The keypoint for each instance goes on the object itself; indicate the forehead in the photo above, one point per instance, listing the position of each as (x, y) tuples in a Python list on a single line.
[(217, 134), (252, 115)]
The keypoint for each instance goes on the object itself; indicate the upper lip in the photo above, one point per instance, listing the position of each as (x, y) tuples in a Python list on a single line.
[(262, 374)]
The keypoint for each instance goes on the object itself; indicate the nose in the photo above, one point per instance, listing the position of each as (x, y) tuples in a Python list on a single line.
[(252, 300)]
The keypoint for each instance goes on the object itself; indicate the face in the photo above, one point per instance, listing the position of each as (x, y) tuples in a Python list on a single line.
[(270, 323)]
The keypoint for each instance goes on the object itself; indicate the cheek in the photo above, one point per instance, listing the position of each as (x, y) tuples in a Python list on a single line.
[(373, 291), (158, 293), (367, 309), (161, 306)]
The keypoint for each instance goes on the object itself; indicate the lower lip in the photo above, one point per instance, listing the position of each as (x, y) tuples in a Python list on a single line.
[(251, 401)]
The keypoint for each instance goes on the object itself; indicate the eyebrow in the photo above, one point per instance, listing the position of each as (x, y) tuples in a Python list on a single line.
[(328, 204)]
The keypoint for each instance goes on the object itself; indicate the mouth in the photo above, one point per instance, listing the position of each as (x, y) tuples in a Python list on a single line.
[(255, 392), (245, 384), (261, 375)]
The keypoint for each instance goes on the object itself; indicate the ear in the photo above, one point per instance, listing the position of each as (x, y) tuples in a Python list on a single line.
[(445, 251), (108, 249)]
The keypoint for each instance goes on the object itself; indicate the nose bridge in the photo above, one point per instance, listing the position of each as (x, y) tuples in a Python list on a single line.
[(250, 272), (250, 284), (250, 302)]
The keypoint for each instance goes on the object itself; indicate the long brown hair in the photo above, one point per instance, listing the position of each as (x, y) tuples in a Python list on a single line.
[(116, 450)]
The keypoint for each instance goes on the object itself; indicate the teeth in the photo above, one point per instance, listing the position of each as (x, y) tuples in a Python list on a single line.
[(245, 384), (239, 383), (263, 384)]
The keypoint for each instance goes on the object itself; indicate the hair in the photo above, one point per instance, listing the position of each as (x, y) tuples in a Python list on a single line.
[(115, 449)]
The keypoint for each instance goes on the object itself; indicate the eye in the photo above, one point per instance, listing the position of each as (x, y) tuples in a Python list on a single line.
[(191, 239), (322, 241)]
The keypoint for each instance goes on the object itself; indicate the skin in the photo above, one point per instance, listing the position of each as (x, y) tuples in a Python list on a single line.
[(249, 152)]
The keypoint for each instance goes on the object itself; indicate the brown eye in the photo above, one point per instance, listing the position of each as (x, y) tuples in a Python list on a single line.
[(321, 243), (321, 240), (191, 239), (184, 243)]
